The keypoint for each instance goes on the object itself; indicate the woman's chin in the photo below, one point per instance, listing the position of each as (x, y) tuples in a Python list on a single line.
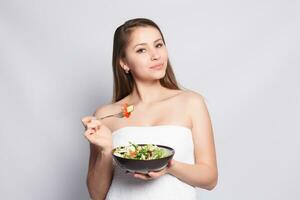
[(159, 75), (156, 75)]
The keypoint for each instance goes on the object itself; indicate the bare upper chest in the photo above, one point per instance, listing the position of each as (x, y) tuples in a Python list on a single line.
[(171, 112)]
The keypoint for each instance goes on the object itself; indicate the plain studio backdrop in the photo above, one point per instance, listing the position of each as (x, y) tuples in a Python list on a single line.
[(55, 68)]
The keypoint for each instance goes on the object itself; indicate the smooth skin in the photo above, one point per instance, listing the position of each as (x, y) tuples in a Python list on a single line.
[(153, 105)]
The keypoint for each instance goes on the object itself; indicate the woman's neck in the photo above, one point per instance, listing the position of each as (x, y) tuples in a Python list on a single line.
[(147, 93)]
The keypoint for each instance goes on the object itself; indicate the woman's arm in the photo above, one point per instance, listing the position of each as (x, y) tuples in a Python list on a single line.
[(100, 173), (203, 173), (100, 170), (199, 175)]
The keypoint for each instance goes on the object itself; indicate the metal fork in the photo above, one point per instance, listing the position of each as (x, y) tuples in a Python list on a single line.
[(119, 115)]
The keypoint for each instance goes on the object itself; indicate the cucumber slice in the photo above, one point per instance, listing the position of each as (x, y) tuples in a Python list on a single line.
[(129, 108)]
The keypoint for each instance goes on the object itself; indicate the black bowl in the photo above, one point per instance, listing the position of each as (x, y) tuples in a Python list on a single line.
[(144, 166)]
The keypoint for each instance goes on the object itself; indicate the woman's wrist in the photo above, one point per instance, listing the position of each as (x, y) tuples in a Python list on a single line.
[(171, 166), (107, 151), (104, 152)]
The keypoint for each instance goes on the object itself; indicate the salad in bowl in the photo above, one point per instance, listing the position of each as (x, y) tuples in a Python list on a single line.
[(143, 158)]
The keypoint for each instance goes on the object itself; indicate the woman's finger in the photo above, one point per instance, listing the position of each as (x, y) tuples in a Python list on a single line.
[(154, 174), (157, 174), (89, 132), (142, 176), (87, 119), (94, 124)]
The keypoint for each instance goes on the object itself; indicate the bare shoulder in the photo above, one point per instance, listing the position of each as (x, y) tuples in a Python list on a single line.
[(194, 104), (191, 98), (107, 109)]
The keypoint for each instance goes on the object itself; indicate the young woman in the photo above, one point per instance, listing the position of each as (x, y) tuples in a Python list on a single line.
[(163, 114)]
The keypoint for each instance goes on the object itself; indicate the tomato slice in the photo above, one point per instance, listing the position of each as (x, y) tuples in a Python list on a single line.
[(124, 110)]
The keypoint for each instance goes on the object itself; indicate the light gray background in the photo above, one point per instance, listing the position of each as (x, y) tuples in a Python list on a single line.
[(55, 67)]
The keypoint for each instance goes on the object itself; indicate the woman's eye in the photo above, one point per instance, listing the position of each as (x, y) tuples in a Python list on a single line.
[(140, 50), (159, 45)]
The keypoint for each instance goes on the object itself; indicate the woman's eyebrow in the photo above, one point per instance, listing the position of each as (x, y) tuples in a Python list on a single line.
[(146, 43)]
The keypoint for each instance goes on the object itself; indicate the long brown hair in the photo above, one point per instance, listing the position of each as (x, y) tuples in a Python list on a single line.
[(124, 83)]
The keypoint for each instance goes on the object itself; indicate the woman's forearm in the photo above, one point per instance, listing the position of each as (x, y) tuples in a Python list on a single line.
[(196, 175), (99, 178)]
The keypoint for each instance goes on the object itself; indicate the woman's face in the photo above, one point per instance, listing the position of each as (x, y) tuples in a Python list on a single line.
[(146, 54)]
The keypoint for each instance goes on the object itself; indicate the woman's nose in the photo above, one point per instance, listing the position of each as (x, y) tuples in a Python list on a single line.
[(155, 55)]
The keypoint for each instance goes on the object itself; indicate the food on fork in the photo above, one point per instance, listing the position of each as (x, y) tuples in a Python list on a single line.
[(127, 110)]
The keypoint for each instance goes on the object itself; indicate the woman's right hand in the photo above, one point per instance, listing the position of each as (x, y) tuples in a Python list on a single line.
[(97, 133)]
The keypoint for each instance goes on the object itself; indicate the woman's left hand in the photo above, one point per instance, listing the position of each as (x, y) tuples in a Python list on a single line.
[(154, 175)]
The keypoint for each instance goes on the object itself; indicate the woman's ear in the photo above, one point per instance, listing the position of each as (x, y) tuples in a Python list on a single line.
[(124, 66)]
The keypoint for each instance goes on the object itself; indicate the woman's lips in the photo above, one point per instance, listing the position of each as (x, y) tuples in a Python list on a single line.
[(157, 67)]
